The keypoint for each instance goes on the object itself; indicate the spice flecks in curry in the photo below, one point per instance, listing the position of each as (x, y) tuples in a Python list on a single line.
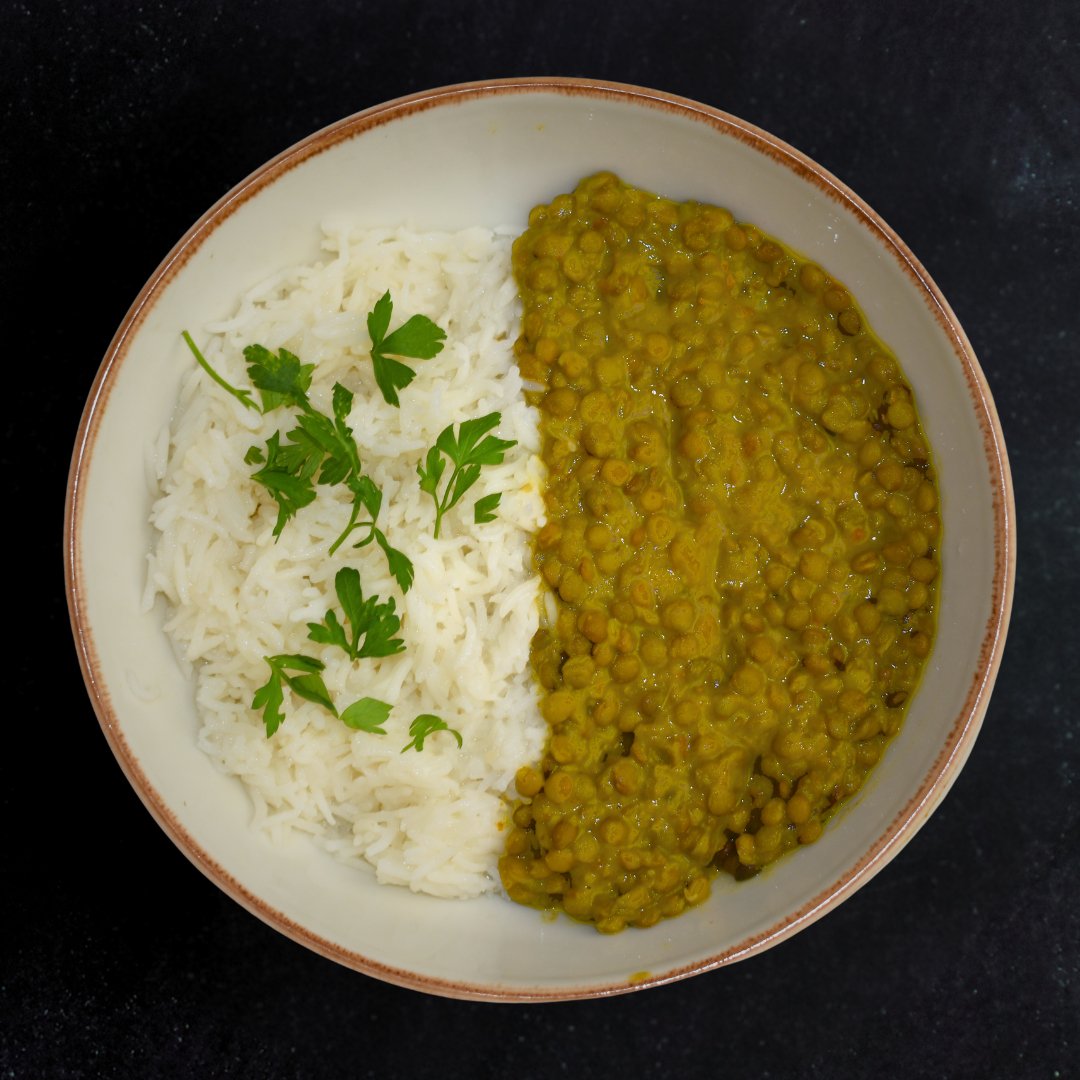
[(742, 523)]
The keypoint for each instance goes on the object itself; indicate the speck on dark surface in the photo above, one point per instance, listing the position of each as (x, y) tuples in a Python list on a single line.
[(958, 122)]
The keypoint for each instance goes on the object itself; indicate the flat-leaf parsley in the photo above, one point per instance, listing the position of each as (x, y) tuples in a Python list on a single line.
[(418, 339), (308, 685), (367, 714), (468, 453), (423, 726), (375, 622), (320, 449)]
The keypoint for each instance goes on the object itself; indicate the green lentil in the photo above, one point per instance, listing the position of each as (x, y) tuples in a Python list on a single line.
[(742, 538)]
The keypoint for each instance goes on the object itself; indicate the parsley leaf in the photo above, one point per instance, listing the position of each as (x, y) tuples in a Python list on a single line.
[(308, 685), (243, 396), (399, 563), (418, 339), (423, 726), (367, 714), (375, 622), (287, 480), (468, 451), (280, 379), (319, 450), (366, 496), (484, 509)]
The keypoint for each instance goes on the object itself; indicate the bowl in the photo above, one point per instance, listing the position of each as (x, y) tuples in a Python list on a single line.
[(502, 147)]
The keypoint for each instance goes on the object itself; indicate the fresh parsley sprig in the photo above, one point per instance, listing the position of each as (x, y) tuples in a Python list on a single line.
[(308, 685), (468, 451), (366, 495), (418, 339), (243, 396), (279, 377), (400, 564), (367, 714), (375, 622), (320, 450), (423, 726), (302, 675)]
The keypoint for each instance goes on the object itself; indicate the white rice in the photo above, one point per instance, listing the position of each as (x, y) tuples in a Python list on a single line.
[(430, 820)]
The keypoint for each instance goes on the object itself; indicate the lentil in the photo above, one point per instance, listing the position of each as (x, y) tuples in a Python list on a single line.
[(742, 531)]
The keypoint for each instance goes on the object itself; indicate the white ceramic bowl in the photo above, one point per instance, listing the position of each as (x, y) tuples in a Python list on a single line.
[(485, 154)]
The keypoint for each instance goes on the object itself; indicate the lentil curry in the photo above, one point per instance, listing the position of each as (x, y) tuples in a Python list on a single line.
[(742, 521)]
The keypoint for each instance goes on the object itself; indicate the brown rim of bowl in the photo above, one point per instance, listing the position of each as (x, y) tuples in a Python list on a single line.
[(934, 785)]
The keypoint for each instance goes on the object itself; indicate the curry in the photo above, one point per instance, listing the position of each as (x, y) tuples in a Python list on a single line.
[(741, 537)]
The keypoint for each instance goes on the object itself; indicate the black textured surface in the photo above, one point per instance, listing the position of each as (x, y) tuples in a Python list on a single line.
[(958, 122)]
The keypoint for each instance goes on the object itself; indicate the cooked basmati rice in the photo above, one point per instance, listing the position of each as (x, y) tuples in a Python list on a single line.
[(428, 820)]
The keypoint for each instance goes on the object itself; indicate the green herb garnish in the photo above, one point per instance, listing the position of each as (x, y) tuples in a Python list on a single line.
[(400, 564), (243, 396), (319, 450), (308, 685), (376, 623), (280, 378), (423, 726), (417, 339), (367, 714), (468, 453), (484, 508), (368, 497), (286, 474)]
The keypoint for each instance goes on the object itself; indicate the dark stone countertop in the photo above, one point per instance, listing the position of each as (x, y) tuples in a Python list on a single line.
[(958, 122)]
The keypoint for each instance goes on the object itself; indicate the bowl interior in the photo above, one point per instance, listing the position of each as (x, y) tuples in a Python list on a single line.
[(486, 155)]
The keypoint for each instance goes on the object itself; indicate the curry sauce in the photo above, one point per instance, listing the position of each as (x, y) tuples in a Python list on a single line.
[(742, 521)]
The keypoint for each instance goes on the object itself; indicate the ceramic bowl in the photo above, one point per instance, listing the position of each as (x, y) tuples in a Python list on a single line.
[(485, 153)]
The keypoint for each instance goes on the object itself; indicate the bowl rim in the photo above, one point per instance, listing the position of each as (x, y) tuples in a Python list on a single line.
[(934, 785)]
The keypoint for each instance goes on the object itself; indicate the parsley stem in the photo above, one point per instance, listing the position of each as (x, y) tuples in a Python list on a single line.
[(444, 505), (241, 395), (348, 528)]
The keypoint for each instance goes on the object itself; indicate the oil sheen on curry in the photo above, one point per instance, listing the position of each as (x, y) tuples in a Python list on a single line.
[(742, 526)]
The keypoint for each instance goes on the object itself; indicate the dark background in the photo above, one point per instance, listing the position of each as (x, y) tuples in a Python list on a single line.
[(958, 122)]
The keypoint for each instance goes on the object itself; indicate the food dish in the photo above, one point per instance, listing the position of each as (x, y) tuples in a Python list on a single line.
[(447, 624), (502, 148), (741, 536)]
